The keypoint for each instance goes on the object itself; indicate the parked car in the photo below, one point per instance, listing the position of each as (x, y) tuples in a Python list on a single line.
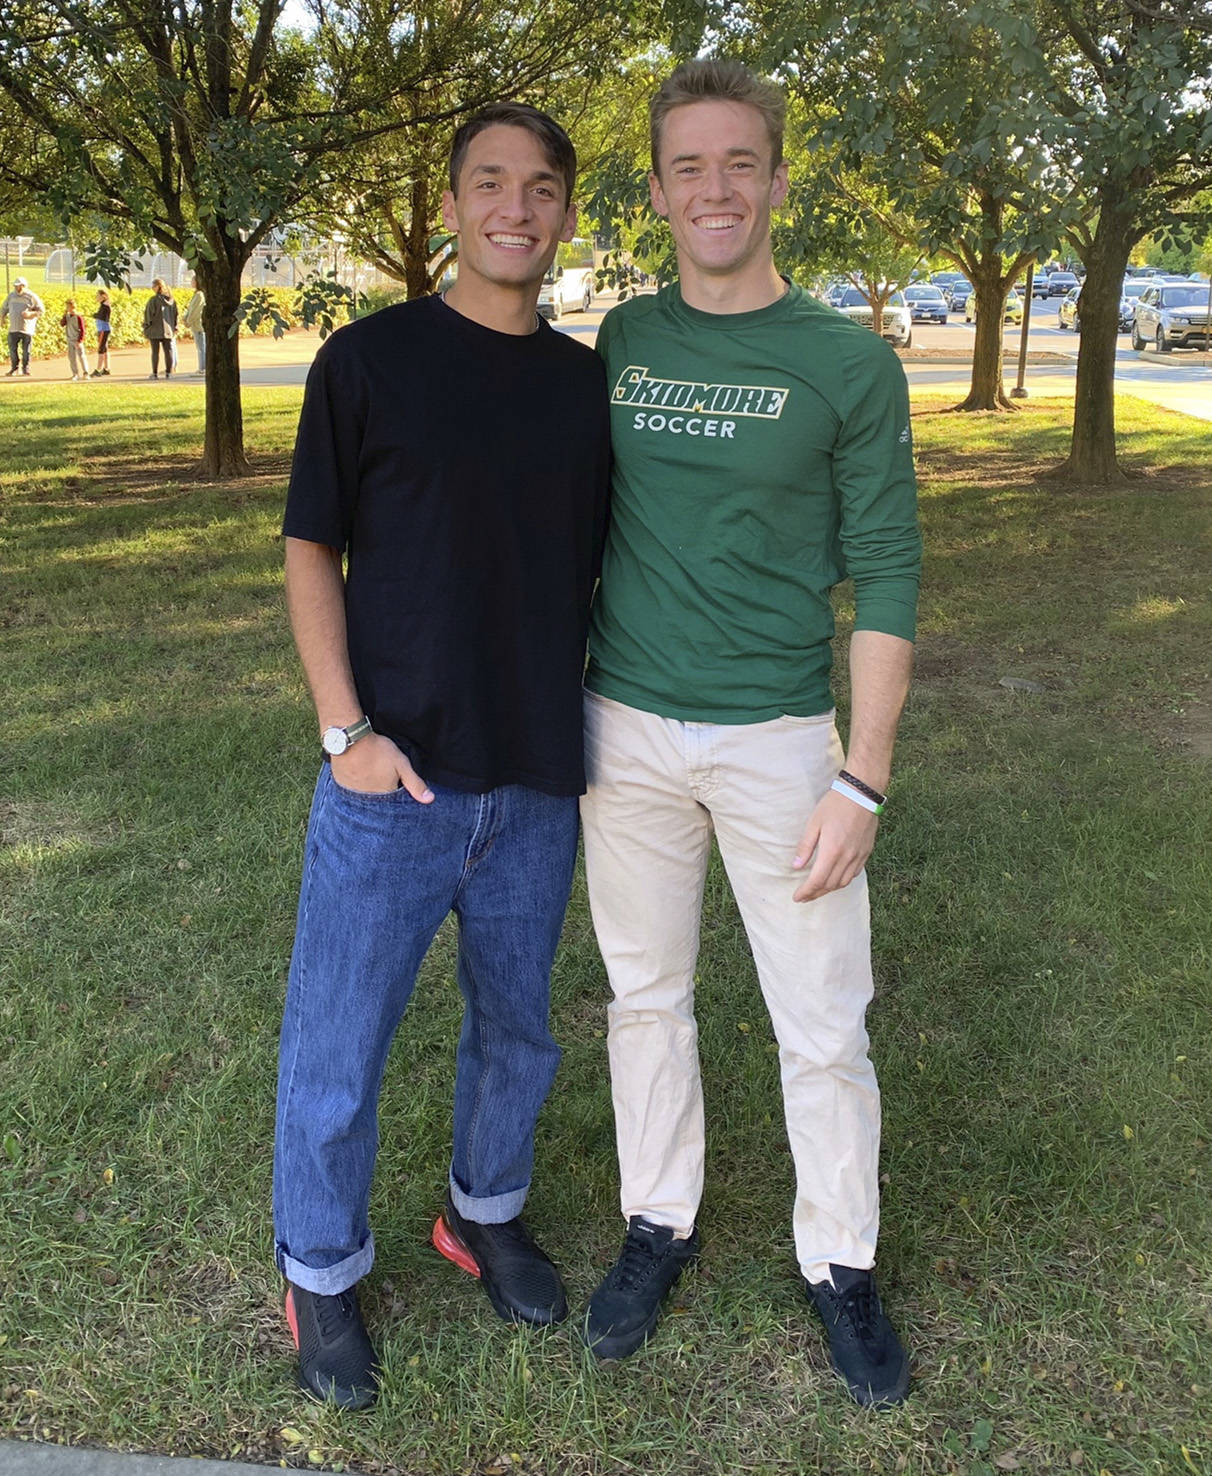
[(897, 325), (1013, 312), (1068, 313), (1171, 315), (957, 294), (568, 284), (1060, 283), (926, 303), (1129, 294), (945, 280)]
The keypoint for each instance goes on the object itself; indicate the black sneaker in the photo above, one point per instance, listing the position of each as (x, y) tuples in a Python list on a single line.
[(863, 1344), (336, 1359), (521, 1282), (625, 1307)]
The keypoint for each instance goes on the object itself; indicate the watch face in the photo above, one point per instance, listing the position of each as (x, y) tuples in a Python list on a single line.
[(334, 741)]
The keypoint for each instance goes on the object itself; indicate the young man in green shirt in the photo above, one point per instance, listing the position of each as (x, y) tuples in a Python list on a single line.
[(762, 454)]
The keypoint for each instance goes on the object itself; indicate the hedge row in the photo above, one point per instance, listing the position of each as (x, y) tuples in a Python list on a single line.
[(126, 317)]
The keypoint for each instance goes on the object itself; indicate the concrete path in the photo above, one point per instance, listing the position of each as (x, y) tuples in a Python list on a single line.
[(26, 1458)]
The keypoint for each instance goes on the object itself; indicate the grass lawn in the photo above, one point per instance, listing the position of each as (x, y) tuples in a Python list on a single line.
[(1041, 894)]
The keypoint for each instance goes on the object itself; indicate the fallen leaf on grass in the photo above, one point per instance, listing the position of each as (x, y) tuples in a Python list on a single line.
[(1006, 1462), (290, 1435)]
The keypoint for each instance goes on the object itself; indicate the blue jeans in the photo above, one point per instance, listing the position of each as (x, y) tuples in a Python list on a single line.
[(18, 350), (380, 873)]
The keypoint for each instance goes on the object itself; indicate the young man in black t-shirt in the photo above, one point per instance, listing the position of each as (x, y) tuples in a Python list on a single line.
[(443, 526)]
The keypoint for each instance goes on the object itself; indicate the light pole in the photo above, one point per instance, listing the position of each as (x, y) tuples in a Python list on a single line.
[(1019, 392)]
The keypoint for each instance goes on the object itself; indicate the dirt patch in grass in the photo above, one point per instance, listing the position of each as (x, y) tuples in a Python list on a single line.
[(1185, 732), (117, 480)]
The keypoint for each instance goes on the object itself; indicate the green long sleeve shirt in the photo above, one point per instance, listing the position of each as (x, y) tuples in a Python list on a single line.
[(759, 459)]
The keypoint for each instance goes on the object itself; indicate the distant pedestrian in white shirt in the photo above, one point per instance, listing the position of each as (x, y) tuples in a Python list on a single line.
[(21, 311), (193, 321)]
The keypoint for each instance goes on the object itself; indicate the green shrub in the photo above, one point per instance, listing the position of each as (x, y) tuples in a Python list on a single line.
[(126, 316), (375, 298)]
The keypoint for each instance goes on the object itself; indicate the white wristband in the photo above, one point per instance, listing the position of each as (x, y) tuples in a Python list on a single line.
[(859, 799)]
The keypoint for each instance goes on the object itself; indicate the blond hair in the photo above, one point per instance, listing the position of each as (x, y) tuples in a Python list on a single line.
[(722, 80)]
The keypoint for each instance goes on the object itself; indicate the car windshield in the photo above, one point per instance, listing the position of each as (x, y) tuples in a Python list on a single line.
[(963, 285), (923, 294), (853, 298), (1184, 297), (1133, 289), (1063, 277)]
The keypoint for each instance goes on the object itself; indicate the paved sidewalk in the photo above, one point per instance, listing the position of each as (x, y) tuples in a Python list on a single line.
[(28, 1458), (267, 360), (1183, 384)]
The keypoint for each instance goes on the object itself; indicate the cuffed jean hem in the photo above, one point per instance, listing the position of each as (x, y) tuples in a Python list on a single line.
[(493, 1211), (332, 1279)]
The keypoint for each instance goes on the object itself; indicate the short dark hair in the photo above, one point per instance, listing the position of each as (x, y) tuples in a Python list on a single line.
[(721, 80), (555, 143)]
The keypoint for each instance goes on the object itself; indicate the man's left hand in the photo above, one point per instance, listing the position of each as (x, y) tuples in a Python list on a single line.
[(837, 841)]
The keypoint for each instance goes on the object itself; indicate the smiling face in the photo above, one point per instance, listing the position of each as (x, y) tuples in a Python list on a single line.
[(717, 186), (509, 211)]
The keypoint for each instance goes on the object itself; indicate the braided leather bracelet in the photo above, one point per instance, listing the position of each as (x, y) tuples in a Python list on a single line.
[(872, 794)]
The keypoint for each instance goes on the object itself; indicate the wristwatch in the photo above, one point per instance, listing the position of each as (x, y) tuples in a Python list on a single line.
[(335, 741)]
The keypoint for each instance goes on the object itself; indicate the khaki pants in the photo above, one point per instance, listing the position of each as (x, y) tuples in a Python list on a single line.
[(77, 359), (658, 788)]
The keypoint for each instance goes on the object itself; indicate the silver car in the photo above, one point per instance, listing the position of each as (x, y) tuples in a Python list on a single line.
[(1171, 315)]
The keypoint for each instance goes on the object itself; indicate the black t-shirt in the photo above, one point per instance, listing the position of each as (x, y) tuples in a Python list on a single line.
[(464, 473)]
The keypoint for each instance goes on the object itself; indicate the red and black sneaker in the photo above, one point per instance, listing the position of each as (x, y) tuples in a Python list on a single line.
[(521, 1282), (336, 1358)]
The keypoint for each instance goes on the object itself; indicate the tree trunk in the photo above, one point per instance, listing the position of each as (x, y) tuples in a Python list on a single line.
[(223, 450), (416, 260), (989, 287), (877, 314), (1092, 457), (986, 391)]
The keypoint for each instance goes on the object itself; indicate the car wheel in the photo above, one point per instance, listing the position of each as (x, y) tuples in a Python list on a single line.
[(908, 343), (1162, 346), (588, 299), (557, 307), (1138, 343), (1077, 325)]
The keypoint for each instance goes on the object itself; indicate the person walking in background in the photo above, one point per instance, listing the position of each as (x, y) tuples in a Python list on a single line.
[(101, 323), (21, 311), (762, 453), (193, 321), (73, 330), (160, 328)]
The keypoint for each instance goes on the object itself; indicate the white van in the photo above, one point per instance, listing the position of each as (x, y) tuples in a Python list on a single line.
[(568, 285)]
